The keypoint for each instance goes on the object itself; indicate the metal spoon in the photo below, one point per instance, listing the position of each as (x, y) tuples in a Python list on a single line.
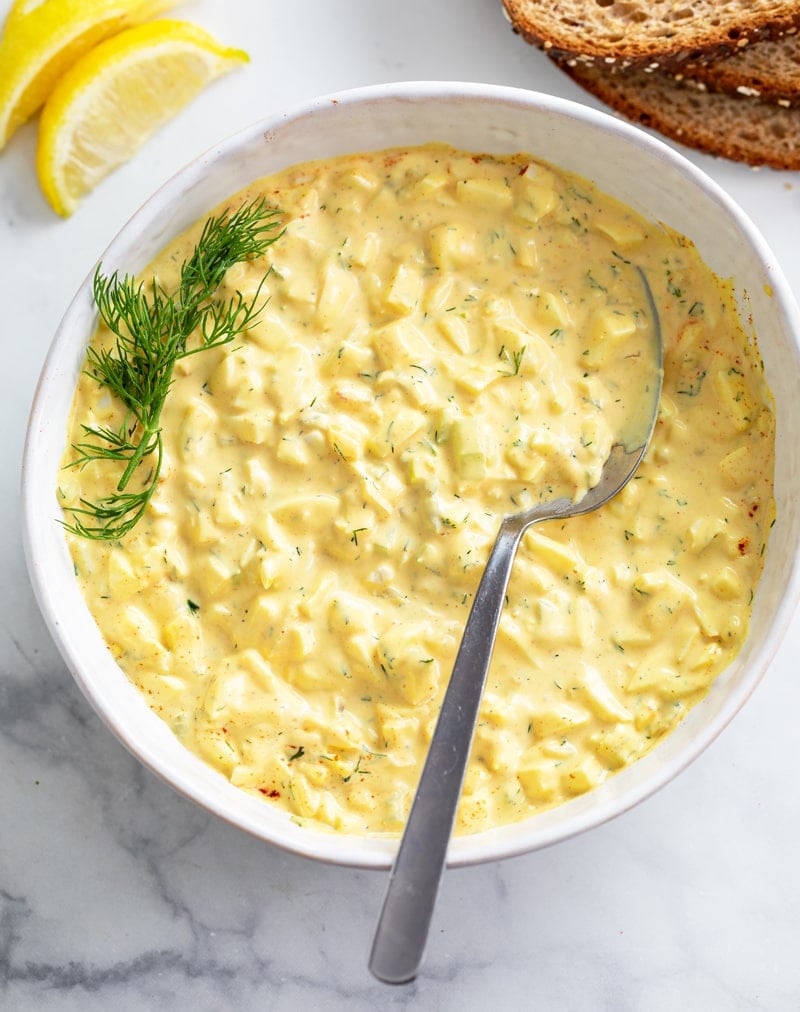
[(405, 919)]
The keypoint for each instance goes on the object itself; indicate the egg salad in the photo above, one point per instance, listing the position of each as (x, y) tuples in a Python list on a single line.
[(443, 338)]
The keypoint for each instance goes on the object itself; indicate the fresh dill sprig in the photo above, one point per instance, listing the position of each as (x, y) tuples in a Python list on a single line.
[(152, 330)]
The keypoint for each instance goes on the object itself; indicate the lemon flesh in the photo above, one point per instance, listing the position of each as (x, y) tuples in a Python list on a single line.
[(41, 40), (115, 97)]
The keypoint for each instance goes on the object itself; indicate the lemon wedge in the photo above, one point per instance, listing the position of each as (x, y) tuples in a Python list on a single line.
[(115, 97), (42, 38)]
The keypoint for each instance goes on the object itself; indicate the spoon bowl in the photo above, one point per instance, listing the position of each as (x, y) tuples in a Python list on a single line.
[(405, 918)]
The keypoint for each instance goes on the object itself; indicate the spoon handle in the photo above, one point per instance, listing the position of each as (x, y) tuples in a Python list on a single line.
[(404, 921)]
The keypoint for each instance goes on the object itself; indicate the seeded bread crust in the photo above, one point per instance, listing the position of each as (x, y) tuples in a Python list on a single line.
[(768, 70), (656, 33), (741, 129)]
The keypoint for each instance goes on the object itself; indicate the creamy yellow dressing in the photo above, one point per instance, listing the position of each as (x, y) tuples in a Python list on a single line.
[(448, 338)]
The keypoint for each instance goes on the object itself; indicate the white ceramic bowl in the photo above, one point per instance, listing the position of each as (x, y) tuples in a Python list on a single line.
[(624, 162)]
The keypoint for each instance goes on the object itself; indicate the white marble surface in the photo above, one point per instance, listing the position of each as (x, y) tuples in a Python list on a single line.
[(115, 893)]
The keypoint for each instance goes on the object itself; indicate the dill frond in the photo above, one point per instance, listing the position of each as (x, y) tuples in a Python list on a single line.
[(152, 330)]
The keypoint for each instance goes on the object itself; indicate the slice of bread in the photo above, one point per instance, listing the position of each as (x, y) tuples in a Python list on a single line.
[(769, 70), (739, 128), (661, 33)]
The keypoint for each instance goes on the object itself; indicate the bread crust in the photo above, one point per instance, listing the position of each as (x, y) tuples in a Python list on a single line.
[(742, 129), (656, 33)]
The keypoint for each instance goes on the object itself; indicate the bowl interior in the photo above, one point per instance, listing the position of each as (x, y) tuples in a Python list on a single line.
[(622, 161)]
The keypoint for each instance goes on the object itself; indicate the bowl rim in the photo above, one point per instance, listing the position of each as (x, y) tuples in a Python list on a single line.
[(358, 851)]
